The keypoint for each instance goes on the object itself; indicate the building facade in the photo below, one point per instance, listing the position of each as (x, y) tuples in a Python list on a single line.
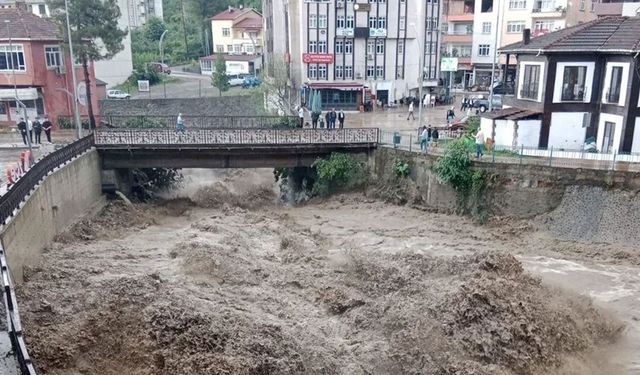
[(475, 28), (237, 31), (355, 52), (32, 58), (574, 85)]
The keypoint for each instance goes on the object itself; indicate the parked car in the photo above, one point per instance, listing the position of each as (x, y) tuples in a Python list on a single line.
[(236, 79), (250, 81), (503, 89), (482, 104), (117, 94), (160, 67)]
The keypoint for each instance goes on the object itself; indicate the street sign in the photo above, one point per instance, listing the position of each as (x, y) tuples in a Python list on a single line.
[(143, 86), (449, 64), (81, 92), (317, 58), (23, 94), (377, 33)]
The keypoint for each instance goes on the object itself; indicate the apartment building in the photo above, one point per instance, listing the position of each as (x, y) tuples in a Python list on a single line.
[(237, 31), (354, 52), (475, 27)]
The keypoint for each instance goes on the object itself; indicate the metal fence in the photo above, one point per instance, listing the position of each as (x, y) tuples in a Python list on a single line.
[(236, 136), (9, 203), (199, 122), (521, 155)]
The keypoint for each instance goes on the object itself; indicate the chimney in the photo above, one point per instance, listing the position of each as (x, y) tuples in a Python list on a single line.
[(526, 36)]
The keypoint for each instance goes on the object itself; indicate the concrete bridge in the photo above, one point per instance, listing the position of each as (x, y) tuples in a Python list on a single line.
[(227, 148)]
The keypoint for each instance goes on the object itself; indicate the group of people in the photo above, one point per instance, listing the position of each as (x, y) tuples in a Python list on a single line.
[(30, 128), (330, 118), (427, 134)]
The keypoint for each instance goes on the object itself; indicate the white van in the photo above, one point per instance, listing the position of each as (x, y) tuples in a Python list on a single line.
[(236, 79)]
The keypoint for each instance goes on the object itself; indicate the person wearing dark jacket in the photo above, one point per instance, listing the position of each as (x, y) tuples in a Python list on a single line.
[(315, 116), (46, 126), (22, 126), (341, 118), (332, 116), (37, 130)]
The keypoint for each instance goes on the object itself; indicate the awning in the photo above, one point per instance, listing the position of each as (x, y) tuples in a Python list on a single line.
[(23, 94), (344, 86), (512, 113)]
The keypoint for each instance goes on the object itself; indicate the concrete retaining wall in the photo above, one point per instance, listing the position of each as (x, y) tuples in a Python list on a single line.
[(65, 194), (520, 191), (221, 106)]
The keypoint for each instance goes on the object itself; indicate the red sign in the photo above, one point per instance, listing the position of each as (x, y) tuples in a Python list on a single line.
[(317, 58)]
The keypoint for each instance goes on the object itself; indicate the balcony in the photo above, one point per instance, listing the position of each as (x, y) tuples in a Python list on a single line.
[(547, 12), (462, 17), (458, 37)]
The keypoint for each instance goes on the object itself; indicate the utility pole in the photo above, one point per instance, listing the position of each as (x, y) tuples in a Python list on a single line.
[(422, 37), (160, 46), (76, 112), (495, 55), (184, 29)]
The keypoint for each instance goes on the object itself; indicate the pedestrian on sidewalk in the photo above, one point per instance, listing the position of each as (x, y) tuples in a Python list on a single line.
[(479, 143), (341, 118), (179, 124), (37, 129), (46, 126), (465, 104), (429, 132), (434, 136), (411, 111), (22, 126), (315, 116), (332, 119), (301, 117), (450, 115), (30, 129), (424, 139)]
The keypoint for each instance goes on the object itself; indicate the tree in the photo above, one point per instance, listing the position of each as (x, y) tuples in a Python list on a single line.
[(277, 91), (94, 32), (219, 77)]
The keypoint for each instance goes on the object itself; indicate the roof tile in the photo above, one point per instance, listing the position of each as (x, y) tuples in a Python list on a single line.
[(26, 25)]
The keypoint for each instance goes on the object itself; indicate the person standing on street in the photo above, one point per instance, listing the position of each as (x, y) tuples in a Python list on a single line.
[(434, 136), (411, 111), (479, 143), (332, 118), (301, 116), (450, 115), (30, 129), (315, 116), (37, 129), (179, 124), (341, 118), (22, 126), (46, 126), (424, 139)]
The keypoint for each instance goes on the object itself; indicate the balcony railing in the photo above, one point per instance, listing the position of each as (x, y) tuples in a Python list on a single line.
[(529, 93), (613, 97)]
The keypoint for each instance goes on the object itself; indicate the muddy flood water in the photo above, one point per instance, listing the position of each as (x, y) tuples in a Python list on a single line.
[(220, 278)]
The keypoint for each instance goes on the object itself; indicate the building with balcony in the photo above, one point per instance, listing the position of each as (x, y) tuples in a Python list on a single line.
[(237, 31), (617, 8), (32, 58), (457, 38), (572, 85), (355, 52)]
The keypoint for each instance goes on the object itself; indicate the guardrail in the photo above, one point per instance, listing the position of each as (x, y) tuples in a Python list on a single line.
[(200, 122), (9, 203), (114, 137)]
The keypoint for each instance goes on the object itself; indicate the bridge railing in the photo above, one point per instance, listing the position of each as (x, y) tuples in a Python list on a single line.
[(199, 122), (236, 136), (9, 203)]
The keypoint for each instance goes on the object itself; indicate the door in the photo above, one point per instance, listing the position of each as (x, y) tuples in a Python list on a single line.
[(609, 131)]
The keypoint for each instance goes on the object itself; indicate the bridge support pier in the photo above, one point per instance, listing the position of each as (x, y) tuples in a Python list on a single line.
[(120, 179)]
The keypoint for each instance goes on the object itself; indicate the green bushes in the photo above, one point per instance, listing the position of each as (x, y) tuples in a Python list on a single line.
[(338, 172), (401, 168), (146, 122), (144, 73)]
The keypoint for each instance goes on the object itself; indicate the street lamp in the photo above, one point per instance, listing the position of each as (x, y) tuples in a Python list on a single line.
[(15, 89), (160, 46), (76, 112)]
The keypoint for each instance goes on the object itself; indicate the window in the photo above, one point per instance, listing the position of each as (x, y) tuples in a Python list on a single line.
[(322, 47), (350, 22), (340, 22), (373, 22), (613, 95), (400, 72), (237, 48), (53, 56), (313, 47), (515, 26), (348, 72), (219, 48), (348, 46), (402, 22), (370, 47), (593, 6), (379, 71), (380, 46), (313, 71), (313, 21), (339, 71), (430, 48), (486, 27), (322, 21), (42, 9), (322, 72), (400, 47), (229, 48), (483, 50), (226, 31), (544, 5), (529, 89), (543, 26), (12, 58), (432, 23), (253, 35), (581, 5), (371, 71), (382, 22), (339, 46), (517, 4), (573, 83)]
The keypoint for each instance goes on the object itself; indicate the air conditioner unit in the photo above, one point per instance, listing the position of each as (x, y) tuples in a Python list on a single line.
[(370, 56), (322, 32), (59, 70), (340, 4), (358, 75)]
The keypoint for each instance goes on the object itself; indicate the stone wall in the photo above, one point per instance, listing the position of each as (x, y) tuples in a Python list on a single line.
[(58, 201), (220, 106), (519, 191)]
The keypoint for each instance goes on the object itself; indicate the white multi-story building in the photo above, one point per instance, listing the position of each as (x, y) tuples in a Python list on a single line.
[(354, 52)]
